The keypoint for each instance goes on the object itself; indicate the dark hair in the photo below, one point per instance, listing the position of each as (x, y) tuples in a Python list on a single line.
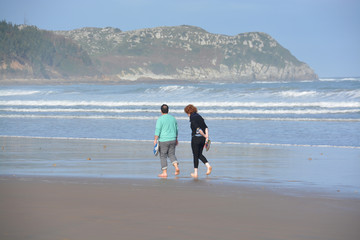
[(190, 109), (164, 108)]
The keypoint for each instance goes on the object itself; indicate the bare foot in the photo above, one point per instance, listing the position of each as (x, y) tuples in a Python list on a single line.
[(209, 170), (162, 175), (194, 175), (177, 171)]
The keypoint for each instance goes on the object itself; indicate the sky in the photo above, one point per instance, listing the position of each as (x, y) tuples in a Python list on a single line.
[(325, 34)]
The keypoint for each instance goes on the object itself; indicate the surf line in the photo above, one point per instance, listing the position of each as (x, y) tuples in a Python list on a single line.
[(216, 143), (179, 118)]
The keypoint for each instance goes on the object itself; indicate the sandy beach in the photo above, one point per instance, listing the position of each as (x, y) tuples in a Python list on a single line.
[(107, 189), (67, 208)]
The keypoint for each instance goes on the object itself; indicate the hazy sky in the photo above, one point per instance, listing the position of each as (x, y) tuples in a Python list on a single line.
[(323, 33)]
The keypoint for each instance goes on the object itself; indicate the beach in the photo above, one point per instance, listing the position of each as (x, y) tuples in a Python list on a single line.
[(59, 188), (67, 208), (76, 162)]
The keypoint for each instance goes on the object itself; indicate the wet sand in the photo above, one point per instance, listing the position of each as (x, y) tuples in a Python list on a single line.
[(79, 208), (107, 189), (334, 171)]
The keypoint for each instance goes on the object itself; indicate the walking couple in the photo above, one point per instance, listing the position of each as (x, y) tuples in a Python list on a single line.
[(166, 133)]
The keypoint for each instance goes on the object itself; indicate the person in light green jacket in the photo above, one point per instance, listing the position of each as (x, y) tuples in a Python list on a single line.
[(166, 132)]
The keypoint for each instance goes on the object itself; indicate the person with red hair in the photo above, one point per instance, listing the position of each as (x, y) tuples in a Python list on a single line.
[(200, 136)]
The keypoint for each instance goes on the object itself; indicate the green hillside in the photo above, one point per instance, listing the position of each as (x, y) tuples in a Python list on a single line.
[(168, 53), (26, 51)]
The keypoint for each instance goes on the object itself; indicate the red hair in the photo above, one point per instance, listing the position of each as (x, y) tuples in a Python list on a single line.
[(190, 109)]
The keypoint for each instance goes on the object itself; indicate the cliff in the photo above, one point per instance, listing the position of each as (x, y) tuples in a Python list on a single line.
[(169, 53), (188, 52)]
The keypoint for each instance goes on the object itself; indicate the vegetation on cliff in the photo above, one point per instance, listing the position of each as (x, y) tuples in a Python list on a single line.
[(26, 51), (178, 53)]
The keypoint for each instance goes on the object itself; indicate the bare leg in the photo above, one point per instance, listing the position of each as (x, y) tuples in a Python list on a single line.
[(195, 173), (163, 174), (177, 170), (209, 168)]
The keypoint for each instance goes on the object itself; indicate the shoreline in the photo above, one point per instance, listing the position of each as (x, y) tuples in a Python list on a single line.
[(150, 141), (25, 82), (323, 170), (281, 190), (97, 81)]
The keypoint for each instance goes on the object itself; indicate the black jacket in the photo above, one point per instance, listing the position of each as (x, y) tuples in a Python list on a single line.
[(196, 121)]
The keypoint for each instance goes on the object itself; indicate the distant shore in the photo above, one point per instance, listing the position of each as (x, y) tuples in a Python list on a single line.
[(81, 80), (113, 81)]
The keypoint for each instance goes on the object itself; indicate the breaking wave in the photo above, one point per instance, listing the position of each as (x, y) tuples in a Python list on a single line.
[(66, 103)]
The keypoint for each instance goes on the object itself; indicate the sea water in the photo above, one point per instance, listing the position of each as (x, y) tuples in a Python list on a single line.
[(323, 112), (283, 133)]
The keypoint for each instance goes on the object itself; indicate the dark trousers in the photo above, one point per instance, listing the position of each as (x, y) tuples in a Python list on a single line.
[(197, 146)]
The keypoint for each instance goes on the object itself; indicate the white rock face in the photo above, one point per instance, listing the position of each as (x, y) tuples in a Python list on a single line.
[(191, 53)]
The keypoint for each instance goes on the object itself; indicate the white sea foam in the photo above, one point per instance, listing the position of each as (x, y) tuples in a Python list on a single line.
[(284, 119), (79, 117), (344, 94), (340, 79), (282, 111), (6, 93), (178, 118), (171, 89), (66, 103), (293, 93), (75, 110), (206, 111)]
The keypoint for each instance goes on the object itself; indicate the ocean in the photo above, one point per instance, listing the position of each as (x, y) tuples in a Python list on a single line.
[(324, 112), (282, 135)]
